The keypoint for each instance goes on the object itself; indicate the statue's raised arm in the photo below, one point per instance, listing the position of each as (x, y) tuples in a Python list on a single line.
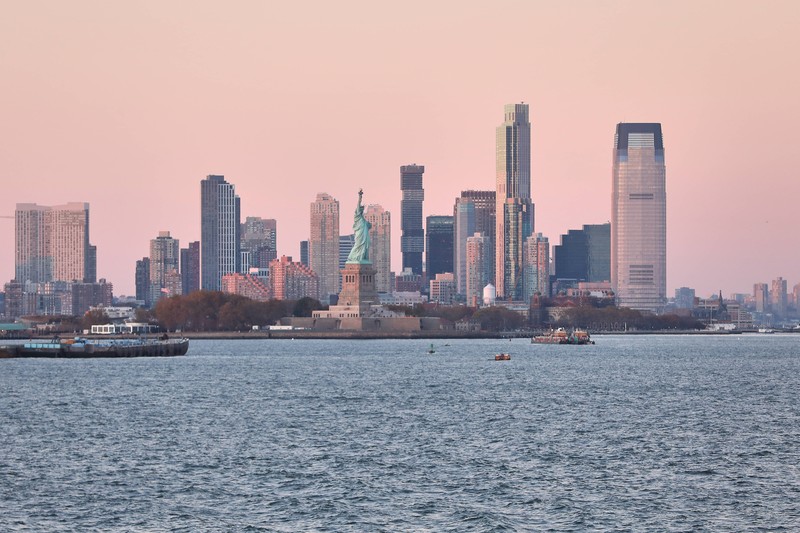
[(360, 252)]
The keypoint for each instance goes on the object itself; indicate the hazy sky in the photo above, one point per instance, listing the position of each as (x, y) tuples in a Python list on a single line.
[(128, 105)]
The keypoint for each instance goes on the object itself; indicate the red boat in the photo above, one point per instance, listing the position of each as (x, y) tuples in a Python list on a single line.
[(502, 357)]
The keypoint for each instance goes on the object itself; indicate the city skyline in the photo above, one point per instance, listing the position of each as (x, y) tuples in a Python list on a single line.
[(112, 125)]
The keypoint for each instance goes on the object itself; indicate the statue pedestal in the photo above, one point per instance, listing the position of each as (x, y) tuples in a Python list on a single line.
[(358, 286)]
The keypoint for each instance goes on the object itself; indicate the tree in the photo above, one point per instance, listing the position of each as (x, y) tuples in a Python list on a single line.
[(94, 317), (305, 306)]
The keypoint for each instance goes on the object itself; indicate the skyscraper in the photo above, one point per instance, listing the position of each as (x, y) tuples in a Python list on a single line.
[(52, 243), (190, 267), (478, 266), (380, 245), (220, 213), (514, 211), (473, 212), (164, 265), (143, 281), (259, 239), (779, 297), (412, 240), (639, 217), (323, 244), (439, 255), (537, 266), (585, 254)]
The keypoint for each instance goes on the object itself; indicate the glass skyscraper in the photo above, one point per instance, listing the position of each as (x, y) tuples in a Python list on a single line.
[(639, 217), (220, 213), (514, 206), (412, 239), (439, 255)]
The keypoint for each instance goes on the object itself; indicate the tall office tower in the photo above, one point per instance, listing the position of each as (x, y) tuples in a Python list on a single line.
[(639, 217), (220, 212), (412, 240), (380, 245), (585, 254), (304, 253), (346, 243), (323, 244), (537, 266), (439, 245), (164, 266), (259, 240), (190, 268), (473, 212), (480, 261), (143, 280), (761, 297), (779, 297), (52, 243), (514, 211)]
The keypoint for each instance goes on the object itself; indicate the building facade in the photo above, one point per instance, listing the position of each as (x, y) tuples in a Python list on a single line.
[(473, 212), (412, 239), (190, 268), (247, 285), (537, 266), (259, 242), (380, 246), (479, 263), (443, 288), (52, 243), (439, 244), (779, 297), (323, 244), (164, 266), (514, 207), (639, 217), (291, 281), (220, 214), (584, 254)]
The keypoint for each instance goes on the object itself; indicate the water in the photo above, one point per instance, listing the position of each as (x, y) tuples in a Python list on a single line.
[(650, 433)]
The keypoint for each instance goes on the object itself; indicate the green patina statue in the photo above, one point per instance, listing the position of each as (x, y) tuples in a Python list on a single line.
[(360, 252)]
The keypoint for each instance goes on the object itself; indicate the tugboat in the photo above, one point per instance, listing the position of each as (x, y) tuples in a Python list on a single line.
[(560, 336), (502, 357)]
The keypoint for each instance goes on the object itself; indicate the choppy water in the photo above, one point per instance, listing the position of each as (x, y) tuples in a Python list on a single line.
[(644, 433)]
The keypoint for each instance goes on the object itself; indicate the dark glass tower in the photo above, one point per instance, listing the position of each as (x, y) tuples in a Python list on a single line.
[(439, 256), (412, 240), (190, 267)]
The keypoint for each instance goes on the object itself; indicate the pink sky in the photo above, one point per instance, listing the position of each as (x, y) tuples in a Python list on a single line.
[(128, 105)]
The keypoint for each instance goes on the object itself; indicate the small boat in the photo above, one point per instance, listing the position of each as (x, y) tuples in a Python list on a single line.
[(431, 349), (79, 347), (502, 357), (560, 336)]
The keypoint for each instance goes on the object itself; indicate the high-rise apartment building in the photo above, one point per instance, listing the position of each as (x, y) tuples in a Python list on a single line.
[(259, 242), (52, 243), (304, 253), (514, 211), (537, 266), (479, 263), (412, 240), (190, 268), (220, 214), (323, 244), (164, 266), (761, 297), (439, 245), (143, 281), (473, 212), (779, 297), (380, 245), (291, 281), (639, 217)]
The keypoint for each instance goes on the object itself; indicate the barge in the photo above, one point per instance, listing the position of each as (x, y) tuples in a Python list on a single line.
[(84, 348)]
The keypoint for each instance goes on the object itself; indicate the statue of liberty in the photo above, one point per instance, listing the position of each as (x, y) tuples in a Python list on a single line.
[(360, 252)]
